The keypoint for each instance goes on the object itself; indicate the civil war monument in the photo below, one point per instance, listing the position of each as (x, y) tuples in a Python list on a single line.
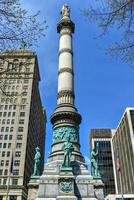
[(65, 175)]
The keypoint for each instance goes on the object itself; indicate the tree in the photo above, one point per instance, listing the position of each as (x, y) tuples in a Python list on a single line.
[(117, 14), (17, 27), (17, 30)]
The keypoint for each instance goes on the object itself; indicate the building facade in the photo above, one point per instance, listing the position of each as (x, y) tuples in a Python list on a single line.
[(104, 137), (22, 122), (123, 144)]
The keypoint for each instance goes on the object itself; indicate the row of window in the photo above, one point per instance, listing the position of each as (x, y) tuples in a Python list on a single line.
[(4, 153), (14, 81), (13, 100), (7, 114), (7, 129), (6, 137), (6, 163), (6, 172), (5, 107), (14, 181), (14, 87), (7, 121), (9, 137), (5, 145), (11, 197), (10, 121)]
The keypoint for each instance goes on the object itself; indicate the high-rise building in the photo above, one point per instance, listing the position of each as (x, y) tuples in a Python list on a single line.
[(22, 122), (105, 163), (123, 153)]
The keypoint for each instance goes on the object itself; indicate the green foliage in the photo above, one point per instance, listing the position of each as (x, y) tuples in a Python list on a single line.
[(117, 14), (17, 27)]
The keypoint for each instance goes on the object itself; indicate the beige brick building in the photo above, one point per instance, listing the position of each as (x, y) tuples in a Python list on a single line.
[(22, 122), (123, 142)]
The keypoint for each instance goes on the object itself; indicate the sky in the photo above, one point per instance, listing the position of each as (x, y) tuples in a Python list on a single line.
[(103, 86)]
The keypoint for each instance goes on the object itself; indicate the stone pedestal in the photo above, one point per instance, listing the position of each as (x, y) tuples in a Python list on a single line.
[(66, 185), (57, 183), (33, 188)]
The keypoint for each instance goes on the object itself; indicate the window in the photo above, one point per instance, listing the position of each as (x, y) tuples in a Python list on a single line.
[(12, 121), (7, 163), (14, 107), (8, 121), (19, 137), (4, 114), (12, 197), (0, 114), (6, 106), (22, 114), (9, 145), (10, 137), (22, 107), (7, 129), (25, 87), (21, 121), (3, 154), (24, 93), (5, 137), (18, 145), (1, 106), (13, 114), (0, 145), (20, 129), (18, 153), (24, 100), (3, 121), (6, 172), (1, 171), (11, 129), (15, 172), (2, 129), (14, 181), (10, 107), (17, 163), (8, 153), (9, 114), (2, 163), (1, 137), (26, 80), (4, 181), (4, 145)]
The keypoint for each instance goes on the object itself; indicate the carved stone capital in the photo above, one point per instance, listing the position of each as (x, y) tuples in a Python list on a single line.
[(66, 93), (65, 23)]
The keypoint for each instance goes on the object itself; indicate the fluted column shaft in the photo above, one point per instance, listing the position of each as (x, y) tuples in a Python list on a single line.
[(65, 70)]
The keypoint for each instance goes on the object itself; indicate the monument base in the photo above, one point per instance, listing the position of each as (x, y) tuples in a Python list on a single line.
[(33, 188), (57, 183)]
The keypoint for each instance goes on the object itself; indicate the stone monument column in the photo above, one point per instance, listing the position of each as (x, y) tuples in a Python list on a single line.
[(65, 118), (65, 175)]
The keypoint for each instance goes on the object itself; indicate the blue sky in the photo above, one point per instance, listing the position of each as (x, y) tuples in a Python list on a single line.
[(103, 86)]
